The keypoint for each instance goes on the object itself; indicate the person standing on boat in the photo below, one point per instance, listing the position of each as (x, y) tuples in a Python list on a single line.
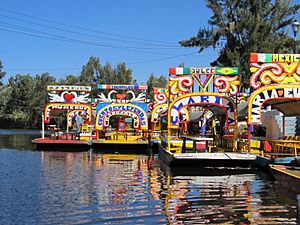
[(78, 120)]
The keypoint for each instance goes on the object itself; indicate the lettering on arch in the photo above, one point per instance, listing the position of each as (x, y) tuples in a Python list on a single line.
[(67, 107), (113, 108), (202, 99), (264, 94)]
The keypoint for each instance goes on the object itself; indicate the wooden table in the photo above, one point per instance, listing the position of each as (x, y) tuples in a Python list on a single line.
[(195, 139), (71, 134)]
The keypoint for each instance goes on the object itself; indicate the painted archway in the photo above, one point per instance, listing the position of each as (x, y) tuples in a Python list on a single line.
[(279, 94), (133, 115), (70, 116), (130, 108), (160, 109), (205, 98), (67, 107)]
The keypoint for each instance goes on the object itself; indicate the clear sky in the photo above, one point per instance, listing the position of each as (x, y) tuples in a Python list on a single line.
[(59, 36)]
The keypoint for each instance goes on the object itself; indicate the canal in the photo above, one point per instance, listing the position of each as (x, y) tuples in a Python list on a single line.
[(73, 188)]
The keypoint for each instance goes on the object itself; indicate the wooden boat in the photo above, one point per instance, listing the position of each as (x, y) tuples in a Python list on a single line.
[(204, 171), (119, 157), (278, 152), (61, 145), (209, 108), (121, 120), (66, 102), (280, 93), (205, 159), (127, 146), (288, 176)]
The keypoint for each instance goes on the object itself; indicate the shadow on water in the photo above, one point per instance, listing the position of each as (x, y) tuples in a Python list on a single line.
[(18, 139)]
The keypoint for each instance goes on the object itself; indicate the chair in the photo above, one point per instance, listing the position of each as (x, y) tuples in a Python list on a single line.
[(255, 147)]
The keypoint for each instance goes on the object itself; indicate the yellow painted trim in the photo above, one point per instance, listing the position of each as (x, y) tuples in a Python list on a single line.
[(145, 127), (76, 107), (195, 95), (259, 91)]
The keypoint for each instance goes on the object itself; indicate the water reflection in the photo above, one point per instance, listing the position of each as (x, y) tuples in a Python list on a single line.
[(79, 188), (226, 199), (17, 139), (104, 188)]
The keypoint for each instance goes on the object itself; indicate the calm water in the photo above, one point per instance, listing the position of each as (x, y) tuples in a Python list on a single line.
[(72, 188)]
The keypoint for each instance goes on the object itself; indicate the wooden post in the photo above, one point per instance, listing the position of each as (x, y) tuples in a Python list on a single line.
[(249, 138), (91, 132), (235, 136), (169, 139), (298, 209), (283, 126), (183, 150), (43, 127)]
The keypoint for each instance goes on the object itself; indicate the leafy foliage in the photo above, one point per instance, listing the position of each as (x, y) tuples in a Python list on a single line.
[(2, 74), (245, 26), (153, 81), (23, 98)]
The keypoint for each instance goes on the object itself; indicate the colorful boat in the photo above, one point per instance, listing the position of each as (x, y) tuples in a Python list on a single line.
[(61, 144), (121, 119), (218, 108), (58, 133), (276, 83), (288, 176)]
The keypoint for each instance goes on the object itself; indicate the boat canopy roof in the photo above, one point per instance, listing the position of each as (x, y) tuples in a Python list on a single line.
[(287, 107)]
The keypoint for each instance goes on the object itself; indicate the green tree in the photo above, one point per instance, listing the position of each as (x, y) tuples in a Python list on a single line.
[(5, 94), (90, 73), (2, 74), (22, 100), (39, 97), (106, 75), (154, 82), (118, 75), (18, 110), (70, 80), (244, 26), (122, 74)]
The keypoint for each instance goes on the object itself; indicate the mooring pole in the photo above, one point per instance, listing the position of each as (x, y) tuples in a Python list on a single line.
[(43, 127), (298, 209)]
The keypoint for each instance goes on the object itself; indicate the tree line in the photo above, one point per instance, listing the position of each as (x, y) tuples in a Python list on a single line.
[(23, 98), (236, 28)]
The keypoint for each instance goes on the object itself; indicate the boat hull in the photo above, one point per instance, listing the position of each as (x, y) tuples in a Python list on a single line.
[(198, 160), (61, 145), (126, 147), (264, 162), (288, 177)]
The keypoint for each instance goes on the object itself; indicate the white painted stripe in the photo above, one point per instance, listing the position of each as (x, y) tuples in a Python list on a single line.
[(179, 70), (261, 57)]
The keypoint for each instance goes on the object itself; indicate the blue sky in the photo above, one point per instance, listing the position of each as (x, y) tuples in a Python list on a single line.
[(59, 36)]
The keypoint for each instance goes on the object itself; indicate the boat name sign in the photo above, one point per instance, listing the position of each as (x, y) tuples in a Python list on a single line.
[(131, 108), (203, 100), (277, 92)]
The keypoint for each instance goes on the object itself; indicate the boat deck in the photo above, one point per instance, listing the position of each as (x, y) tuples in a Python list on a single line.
[(61, 144), (203, 159), (107, 146), (288, 176)]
